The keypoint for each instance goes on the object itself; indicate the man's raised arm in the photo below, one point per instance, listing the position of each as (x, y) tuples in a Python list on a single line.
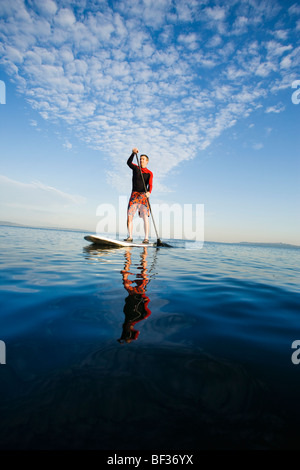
[(130, 159)]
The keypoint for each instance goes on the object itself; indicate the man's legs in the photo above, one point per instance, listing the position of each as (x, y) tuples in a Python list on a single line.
[(144, 215), (146, 226), (129, 225)]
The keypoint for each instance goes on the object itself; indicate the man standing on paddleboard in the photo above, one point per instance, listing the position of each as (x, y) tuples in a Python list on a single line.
[(142, 180)]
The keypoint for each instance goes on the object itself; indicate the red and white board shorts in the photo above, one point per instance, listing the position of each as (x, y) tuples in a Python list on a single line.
[(138, 201)]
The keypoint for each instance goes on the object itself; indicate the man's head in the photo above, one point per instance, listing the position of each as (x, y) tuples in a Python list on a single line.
[(144, 159)]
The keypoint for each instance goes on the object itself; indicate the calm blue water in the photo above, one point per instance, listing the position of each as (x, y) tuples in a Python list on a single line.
[(155, 348)]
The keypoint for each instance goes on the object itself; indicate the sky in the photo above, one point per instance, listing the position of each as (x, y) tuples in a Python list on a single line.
[(209, 90)]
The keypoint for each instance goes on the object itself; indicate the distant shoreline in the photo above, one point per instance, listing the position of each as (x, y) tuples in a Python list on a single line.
[(259, 244), (266, 244), (41, 227)]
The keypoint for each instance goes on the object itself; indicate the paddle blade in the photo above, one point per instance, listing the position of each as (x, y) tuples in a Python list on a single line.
[(160, 243)]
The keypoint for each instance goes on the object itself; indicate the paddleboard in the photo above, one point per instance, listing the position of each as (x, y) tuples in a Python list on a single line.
[(110, 242)]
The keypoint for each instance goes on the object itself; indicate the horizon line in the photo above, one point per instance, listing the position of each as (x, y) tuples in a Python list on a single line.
[(47, 227)]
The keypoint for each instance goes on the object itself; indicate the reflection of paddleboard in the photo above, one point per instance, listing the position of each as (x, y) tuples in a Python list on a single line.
[(110, 242)]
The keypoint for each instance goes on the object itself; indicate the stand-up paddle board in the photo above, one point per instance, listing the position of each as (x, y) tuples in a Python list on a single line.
[(110, 242)]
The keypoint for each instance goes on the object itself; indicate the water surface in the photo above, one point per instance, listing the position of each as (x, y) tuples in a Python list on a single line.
[(147, 348)]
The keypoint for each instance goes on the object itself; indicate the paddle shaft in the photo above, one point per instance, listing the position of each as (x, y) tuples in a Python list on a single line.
[(147, 198)]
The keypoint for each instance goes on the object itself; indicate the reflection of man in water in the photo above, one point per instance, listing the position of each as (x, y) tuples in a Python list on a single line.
[(136, 303)]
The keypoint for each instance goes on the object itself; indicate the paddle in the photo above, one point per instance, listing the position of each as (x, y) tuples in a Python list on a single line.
[(158, 242)]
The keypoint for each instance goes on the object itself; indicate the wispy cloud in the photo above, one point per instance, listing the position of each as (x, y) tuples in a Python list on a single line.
[(275, 109), (258, 146), (134, 74), (67, 145), (35, 194)]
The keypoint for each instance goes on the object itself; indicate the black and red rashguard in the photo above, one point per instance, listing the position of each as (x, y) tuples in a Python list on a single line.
[(137, 182)]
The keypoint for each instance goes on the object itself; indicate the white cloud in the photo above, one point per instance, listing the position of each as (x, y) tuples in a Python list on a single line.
[(215, 41), (135, 74), (281, 34), (240, 25), (264, 69), (275, 109), (258, 146), (286, 62), (294, 9), (277, 49), (216, 13), (46, 7), (284, 82), (67, 145), (35, 194), (189, 39), (187, 11), (65, 18)]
